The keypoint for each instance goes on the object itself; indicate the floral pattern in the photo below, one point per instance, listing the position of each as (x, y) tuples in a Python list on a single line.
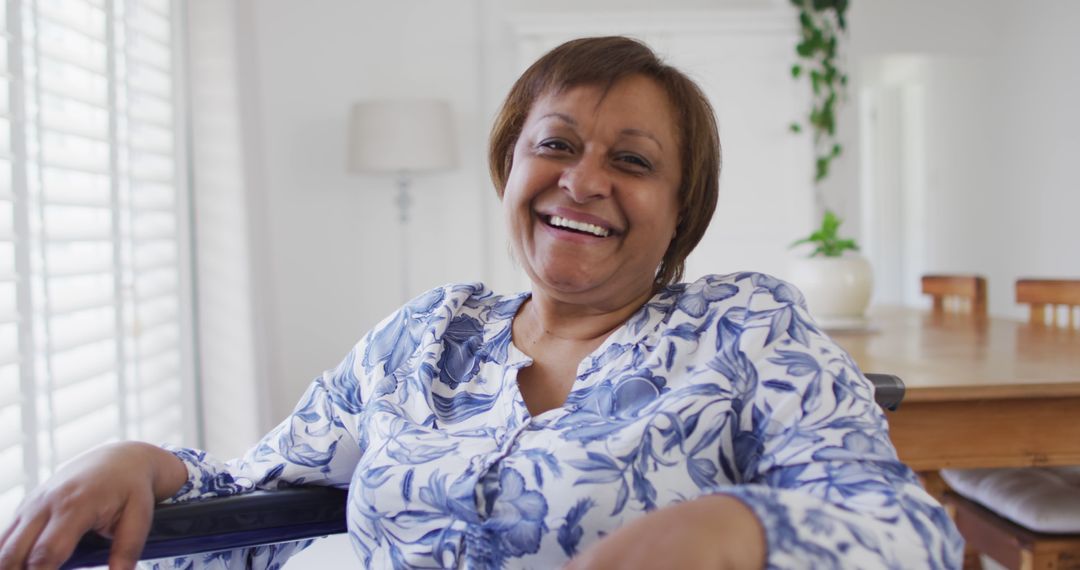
[(724, 385)]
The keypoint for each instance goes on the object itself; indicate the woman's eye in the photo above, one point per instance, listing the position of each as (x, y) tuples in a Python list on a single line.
[(635, 161), (555, 144)]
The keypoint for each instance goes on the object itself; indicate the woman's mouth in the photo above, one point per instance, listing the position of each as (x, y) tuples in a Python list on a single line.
[(575, 226)]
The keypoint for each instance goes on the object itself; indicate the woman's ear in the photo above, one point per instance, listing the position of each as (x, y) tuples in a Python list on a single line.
[(678, 224)]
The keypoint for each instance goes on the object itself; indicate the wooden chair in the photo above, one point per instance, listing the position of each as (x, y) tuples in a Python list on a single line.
[(956, 293), (1043, 294), (1011, 545), (985, 530)]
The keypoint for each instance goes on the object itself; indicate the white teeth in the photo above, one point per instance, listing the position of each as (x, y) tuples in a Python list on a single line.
[(579, 226)]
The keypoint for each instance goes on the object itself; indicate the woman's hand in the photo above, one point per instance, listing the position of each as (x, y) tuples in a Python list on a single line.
[(111, 490), (712, 532)]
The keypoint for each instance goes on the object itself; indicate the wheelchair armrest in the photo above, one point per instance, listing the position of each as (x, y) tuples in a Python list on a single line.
[(888, 390), (224, 523)]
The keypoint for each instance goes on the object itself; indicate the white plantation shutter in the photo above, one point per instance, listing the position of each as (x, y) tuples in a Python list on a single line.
[(94, 333), (13, 453)]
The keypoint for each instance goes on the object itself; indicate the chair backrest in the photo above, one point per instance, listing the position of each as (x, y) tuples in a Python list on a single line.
[(956, 293), (1043, 294)]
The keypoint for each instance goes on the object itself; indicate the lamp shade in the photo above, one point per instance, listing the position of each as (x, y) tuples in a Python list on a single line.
[(401, 136)]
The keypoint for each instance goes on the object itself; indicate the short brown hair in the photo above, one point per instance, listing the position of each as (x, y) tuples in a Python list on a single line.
[(603, 61)]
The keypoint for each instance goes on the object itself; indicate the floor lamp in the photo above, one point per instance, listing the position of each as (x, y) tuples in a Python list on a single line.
[(403, 137)]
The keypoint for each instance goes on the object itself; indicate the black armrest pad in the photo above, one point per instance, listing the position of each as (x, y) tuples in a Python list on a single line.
[(888, 390), (260, 517)]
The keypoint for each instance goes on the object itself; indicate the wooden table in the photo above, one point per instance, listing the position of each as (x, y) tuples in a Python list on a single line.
[(980, 392)]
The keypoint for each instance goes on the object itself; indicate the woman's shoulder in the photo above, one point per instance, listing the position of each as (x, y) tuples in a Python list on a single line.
[(739, 288), (456, 310), (474, 297), (435, 311)]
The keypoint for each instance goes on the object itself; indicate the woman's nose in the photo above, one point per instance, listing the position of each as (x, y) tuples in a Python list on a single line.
[(586, 180)]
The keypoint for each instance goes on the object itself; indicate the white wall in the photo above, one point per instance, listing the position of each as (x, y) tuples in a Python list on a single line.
[(998, 137), (230, 328), (331, 238)]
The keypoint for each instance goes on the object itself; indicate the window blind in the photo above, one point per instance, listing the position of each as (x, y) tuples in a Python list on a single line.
[(93, 334)]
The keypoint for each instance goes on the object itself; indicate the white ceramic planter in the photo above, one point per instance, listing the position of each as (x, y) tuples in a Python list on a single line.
[(837, 289)]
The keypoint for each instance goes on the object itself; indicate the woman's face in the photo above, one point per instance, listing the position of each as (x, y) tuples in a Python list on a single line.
[(591, 200)]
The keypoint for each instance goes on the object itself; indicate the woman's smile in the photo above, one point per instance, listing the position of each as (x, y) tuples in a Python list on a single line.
[(576, 227)]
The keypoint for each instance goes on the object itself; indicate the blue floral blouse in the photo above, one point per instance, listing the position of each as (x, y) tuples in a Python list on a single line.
[(724, 385)]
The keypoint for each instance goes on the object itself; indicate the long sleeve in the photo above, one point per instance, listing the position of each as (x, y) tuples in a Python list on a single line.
[(321, 442), (316, 445), (813, 451)]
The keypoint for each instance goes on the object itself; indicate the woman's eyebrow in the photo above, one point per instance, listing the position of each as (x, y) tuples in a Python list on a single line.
[(641, 133), (564, 117), (625, 132)]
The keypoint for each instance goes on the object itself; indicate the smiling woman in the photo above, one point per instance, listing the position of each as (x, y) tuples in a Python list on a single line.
[(687, 122), (604, 158), (609, 417)]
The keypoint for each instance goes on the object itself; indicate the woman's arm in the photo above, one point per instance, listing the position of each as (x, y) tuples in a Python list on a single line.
[(316, 445), (113, 489), (813, 451), (816, 473), (320, 443)]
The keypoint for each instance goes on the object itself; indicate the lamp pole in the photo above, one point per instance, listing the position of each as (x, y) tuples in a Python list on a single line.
[(403, 202), (402, 137)]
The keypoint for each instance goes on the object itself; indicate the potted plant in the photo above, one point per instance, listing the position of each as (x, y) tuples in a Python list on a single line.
[(834, 278), (835, 281)]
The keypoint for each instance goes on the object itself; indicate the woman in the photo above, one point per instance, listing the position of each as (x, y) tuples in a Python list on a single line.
[(608, 418)]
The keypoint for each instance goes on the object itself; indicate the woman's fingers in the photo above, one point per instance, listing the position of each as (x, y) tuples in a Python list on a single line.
[(46, 541), (57, 539), (21, 538), (110, 490), (8, 531), (129, 534)]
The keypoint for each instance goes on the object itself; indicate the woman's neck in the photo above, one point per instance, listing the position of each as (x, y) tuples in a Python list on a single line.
[(550, 319)]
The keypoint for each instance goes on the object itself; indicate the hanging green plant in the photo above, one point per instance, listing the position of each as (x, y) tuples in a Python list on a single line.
[(822, 24)]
